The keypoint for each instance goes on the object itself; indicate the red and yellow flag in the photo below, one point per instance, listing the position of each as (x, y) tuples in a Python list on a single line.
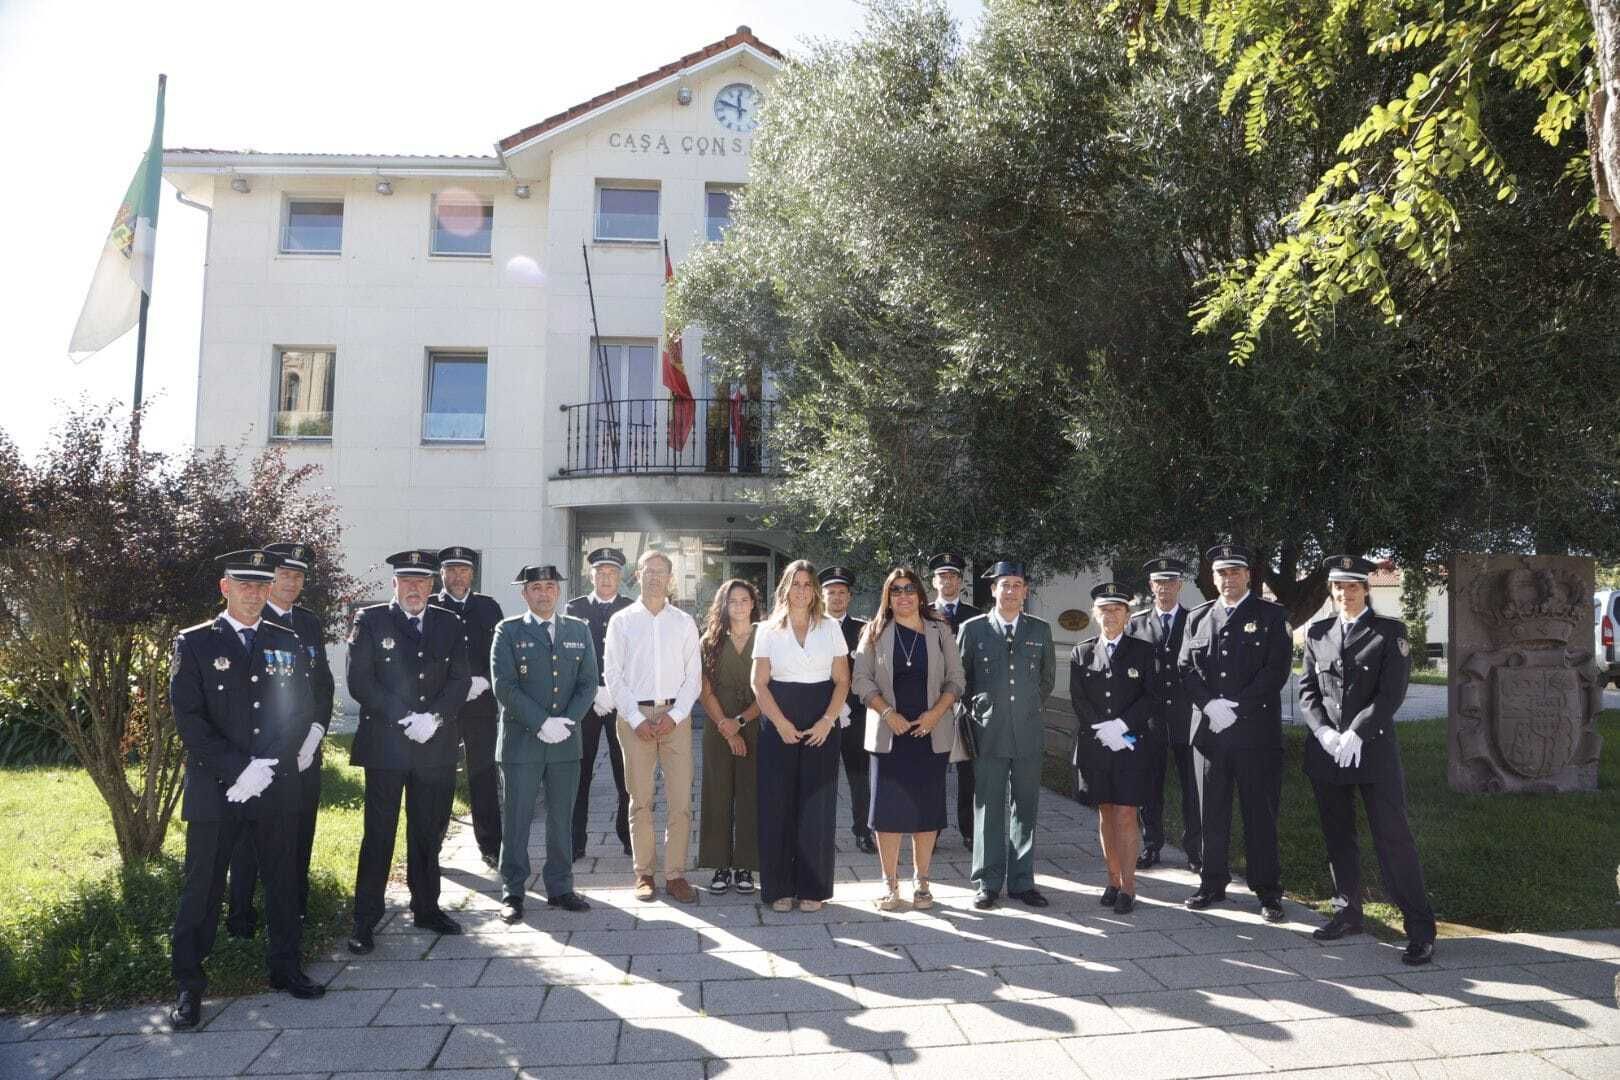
[(683, 409)]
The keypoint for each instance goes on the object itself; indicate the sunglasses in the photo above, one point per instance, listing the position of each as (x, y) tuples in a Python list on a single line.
[(903, 589)]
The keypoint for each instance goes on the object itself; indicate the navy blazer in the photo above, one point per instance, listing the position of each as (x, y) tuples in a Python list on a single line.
[(597, 615), (479, 616), (312, 635), (1355, 685), (231, 707), (1246, 658), (1172, 708), (392, 676)]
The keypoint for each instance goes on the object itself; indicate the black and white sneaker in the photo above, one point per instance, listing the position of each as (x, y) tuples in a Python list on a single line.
[(745, 881), (721, 883)]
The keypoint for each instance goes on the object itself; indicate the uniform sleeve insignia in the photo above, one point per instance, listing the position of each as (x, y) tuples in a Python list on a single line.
[(222, 663), (1406, 649), (387, 643), (1133, 673), (1250, 628)]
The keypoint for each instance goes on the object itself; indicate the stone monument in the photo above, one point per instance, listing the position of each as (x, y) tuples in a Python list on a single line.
[(1523, 693)]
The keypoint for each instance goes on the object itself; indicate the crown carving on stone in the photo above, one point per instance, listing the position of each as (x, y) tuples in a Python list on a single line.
[(1526, 606)]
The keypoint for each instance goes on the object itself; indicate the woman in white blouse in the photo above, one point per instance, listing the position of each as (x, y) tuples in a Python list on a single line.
[(801, 679)]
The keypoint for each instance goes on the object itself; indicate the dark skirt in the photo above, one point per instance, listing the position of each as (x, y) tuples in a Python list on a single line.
[(1120, 778), (908, 782), (798, 799)]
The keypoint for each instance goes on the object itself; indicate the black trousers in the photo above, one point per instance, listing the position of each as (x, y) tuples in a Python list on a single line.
[(244, 873), (595, 727), (1160, 755), (858, 773), (798, 799), (209, 845), (483, 782), (429, 793), (1397, 853), (964, 800), (1256, 775)]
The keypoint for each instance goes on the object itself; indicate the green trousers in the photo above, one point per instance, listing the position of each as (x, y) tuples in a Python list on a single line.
[(520, 787), (729, 810), (1003, 835)]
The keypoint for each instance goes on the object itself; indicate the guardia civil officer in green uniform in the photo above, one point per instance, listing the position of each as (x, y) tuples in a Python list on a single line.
[(1010, 668), (1356, 667), (545, 672)]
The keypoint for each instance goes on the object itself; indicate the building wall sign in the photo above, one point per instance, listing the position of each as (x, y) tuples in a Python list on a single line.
[(669, 143)]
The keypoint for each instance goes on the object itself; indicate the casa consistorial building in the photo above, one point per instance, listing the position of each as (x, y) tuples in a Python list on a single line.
[(470, 347)]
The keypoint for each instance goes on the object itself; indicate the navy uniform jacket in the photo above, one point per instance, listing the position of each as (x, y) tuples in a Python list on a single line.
[(391, 677), (1005, 688), (535, 681), (1172, 708), (597, 616), (964, 612), (1355, 686), (230, 708), (312, 634), (479, 614), (852, 627), (1245, 658), (1101, 691)]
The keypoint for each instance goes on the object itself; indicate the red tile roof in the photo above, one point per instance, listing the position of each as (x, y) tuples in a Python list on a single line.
[(743, 36)]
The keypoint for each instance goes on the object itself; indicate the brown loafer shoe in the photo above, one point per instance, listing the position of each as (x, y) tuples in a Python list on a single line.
[(645, 890), (680, 889)]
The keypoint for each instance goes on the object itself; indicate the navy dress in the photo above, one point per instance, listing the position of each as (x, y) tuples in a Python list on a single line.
[(908, 783)]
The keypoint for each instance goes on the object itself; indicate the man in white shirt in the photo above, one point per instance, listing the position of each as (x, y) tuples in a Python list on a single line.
[(653, 671)]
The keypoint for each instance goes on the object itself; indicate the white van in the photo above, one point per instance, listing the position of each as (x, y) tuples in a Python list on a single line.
[(1606, 634)]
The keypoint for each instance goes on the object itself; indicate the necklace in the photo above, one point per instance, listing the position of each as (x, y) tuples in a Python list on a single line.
[(907, 651)]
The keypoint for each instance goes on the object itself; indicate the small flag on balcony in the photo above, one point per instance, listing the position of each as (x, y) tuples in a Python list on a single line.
[(683, 409), (737, 416)]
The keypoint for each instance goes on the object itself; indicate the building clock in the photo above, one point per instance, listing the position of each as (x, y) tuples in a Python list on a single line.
[(737, 107)]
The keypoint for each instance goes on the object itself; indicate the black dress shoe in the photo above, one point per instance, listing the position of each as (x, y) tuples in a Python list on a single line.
[(511, 910), (865, 844), (1109, 895), (1418, 953), (568, 901), (1200, 900), (298, 985), (1124, 903), (361, 942), (1148, 858), (187, 1011), (984, 899), (438, 922), (1032, 897), (492, 859), (1272, 911), (1337, 927)]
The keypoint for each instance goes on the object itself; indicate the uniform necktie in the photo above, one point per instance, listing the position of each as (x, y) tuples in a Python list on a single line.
[(1111, 645), (247, 639), (950, 611), (1009, 630), (545, 634), (1165, 619), (416, 626)]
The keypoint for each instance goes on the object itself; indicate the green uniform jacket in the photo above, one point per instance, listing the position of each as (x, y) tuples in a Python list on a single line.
[(533, 683), (1006, 688)]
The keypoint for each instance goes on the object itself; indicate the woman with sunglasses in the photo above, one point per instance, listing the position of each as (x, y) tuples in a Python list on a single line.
[(908, 674)]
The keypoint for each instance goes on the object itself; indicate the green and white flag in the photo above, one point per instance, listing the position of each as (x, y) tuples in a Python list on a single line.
[(125, 270)]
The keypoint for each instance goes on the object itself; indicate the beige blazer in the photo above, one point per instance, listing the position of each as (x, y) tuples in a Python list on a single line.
[(874, 676)]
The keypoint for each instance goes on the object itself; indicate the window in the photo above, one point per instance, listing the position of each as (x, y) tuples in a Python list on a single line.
[(313, 226), (462, 224), (303, 397), (626, 213), (717, 212), (455, 397)]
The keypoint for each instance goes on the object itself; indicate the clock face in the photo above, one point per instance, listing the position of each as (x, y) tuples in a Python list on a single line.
[(737, 107)]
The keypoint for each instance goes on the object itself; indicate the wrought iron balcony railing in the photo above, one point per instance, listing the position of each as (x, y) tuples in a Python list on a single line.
[(662, 435)]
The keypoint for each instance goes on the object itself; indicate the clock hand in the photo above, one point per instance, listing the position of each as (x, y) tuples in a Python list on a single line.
[(737, 105)]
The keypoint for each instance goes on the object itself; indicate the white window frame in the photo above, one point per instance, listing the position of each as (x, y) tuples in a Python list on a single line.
[(653, 186), (452, 354), (290, 197), (433, 230)]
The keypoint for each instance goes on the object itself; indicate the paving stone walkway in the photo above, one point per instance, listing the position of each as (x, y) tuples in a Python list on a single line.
[(726, 988)]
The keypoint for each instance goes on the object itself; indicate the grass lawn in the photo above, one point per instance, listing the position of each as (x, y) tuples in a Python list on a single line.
[(78, 931), (1491, 862)]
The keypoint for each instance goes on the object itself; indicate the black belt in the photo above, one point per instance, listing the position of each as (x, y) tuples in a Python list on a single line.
[(655, 704)]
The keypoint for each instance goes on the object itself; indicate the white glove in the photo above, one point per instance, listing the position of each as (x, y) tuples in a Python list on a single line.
[(1349, 756), (555, 729), (1111, 733), (312, 742), (604, 701), (844, 717), (479, 687), (419, 727), (1222, 714), (253, 780), (1329, 738)]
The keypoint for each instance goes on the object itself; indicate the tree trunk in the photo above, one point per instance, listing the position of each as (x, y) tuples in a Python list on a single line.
[(1603, 118)]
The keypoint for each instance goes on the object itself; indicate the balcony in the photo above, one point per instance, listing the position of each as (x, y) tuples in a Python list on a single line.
[(645, 436)]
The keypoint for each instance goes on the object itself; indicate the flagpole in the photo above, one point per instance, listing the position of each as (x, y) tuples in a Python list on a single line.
[(155, 175)]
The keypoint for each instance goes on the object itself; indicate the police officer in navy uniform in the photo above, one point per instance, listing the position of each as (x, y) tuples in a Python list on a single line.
[(408, 669), (601, 719), (837, 583), (1356, 667), (1170, 736), (282, 607), (947, 568), (1236, 656), (240, 688), (545, 680), (479, 614)]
